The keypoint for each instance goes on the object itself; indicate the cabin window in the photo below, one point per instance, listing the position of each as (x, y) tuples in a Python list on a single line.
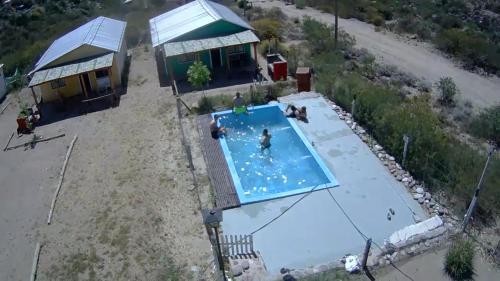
[(236, 49), (101, 74), (187, 58), (59, 83)]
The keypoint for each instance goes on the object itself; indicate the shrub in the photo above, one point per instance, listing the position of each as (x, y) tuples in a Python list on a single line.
[(300, 4), (487, 125), (271, 46), (205, 105), (459, 261), (198, 74), (447, 91), (267, 28)]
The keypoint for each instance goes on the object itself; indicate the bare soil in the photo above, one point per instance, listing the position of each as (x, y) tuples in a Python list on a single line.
[(128, 209), (417, 58)]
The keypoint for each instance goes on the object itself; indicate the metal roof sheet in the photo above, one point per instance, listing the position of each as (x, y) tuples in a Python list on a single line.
[(191, 46), (101, 32), (189, 17), (47, 75)]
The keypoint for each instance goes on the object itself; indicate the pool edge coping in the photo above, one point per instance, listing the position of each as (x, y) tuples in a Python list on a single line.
[(236, 180)]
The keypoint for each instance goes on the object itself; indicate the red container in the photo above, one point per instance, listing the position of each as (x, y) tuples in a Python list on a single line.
[(280, 70)]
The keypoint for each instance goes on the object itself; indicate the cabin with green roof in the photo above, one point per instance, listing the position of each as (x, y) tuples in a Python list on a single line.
[(206, 31)]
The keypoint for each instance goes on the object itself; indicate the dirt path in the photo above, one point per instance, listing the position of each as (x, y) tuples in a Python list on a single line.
[(413, 57), (127, 210)]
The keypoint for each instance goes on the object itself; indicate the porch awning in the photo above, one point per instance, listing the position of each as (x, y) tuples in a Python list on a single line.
[(47, 75), (191, 46)]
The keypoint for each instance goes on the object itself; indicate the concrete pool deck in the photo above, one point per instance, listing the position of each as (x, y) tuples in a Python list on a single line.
[(315, 231)]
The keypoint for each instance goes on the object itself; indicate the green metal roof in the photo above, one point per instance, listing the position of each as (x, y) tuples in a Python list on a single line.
[(59, 72), (191, 46)]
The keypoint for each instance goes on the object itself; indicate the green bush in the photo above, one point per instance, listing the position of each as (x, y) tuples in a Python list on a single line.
[(487, 125), (447, 91), (470, 47), (273, 46), (459, 261), (300, 4), (268, 28), (205, 105)]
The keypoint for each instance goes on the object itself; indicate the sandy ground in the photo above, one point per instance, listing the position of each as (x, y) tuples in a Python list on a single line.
[(127, 209), (413, 57), (429, 266)]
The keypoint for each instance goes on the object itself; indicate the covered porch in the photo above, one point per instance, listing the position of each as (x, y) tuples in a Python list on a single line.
[(232, 59), (86, 80)]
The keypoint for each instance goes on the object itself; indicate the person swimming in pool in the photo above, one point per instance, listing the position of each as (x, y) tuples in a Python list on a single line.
[(215, 130), (239, 104), (265, 139)]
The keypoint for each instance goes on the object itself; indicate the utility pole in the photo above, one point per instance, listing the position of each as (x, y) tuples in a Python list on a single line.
[(478, 188), (336, 7)]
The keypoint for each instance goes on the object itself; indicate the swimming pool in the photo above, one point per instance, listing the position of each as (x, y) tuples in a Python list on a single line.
[(290, 166)]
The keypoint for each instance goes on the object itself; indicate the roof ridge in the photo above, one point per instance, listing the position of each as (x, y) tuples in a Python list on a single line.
[(96, 29), (209, 9)]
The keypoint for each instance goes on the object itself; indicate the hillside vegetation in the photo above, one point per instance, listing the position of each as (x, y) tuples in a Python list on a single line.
[(445, 164), (30, 26), (467, 30)]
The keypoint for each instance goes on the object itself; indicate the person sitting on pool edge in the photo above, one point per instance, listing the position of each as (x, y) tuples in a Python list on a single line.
[(265, 140), (215, 130), (239, 104), (300, 114)]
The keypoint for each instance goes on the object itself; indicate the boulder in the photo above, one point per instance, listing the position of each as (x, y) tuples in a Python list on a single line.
[(417, 196), (377, 147), (419, 190), (236, 269), (427, 196), (245, 264), (421, 200)]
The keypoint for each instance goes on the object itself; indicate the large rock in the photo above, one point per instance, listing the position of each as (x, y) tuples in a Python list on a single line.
[(236, 269), (245, 264), (417, 196), (377, 147), (419, 190), (427, 196)]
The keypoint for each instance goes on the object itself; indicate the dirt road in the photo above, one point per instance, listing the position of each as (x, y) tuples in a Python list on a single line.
[(413, 57)]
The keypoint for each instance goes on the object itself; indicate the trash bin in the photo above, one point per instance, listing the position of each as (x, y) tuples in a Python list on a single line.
[(303, 76)]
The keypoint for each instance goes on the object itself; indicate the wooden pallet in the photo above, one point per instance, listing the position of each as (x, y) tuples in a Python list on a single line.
[(218, 171)]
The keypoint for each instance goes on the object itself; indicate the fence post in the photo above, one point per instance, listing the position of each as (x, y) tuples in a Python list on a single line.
[(353, 107), (406, 139)]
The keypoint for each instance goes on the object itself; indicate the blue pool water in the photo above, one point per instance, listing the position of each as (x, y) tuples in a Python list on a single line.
[(290, 166)]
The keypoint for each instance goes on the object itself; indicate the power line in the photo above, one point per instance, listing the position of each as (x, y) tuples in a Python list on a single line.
[(344, 213), (286, 210), (364, 236)]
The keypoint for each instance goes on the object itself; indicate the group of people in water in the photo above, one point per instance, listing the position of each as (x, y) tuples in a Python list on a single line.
[(239, 107)]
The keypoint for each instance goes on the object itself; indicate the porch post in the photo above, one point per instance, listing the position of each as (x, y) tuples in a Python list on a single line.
[(227, 61), (34, 97), (82, 84), (36, 101), (210, 57), (255, 53), (110, 77)]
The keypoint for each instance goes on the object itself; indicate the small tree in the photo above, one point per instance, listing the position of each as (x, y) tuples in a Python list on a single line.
[(458, 262), (244, 5), (198, 75), (448, 90)]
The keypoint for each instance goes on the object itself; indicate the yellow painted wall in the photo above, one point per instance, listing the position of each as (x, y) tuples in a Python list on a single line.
[(72, 88)]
